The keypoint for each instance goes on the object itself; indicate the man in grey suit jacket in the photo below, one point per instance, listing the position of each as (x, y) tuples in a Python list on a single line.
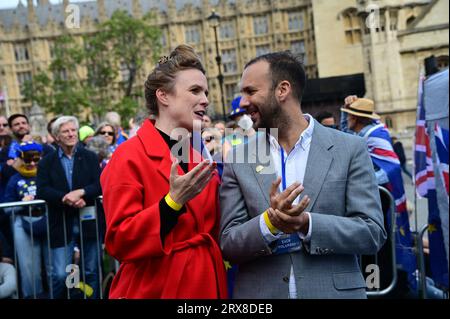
[(295, 221)]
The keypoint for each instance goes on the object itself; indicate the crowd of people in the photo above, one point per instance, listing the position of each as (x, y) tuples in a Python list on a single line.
[(303, 217), (62, 168)]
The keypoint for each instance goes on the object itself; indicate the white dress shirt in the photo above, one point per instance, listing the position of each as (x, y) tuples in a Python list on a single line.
[(295, 166)]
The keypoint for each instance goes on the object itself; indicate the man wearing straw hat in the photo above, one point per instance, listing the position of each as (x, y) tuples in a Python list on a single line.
[(363, 120), (359, 117), (360, 114)]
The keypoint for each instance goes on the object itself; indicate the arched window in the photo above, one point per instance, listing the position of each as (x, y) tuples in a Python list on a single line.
[(410, 20), (352, 26)]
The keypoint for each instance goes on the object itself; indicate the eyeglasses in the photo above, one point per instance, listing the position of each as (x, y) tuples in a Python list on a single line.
[(4, 124), (107, 133), (209, 139), (28, 160)]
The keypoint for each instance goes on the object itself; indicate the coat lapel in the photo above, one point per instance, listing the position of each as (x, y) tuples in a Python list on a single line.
[(59, 171), (77, 161), (318, 164), (156, 147)]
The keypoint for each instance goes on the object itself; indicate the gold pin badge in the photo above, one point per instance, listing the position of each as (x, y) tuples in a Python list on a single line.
[(259, 168)]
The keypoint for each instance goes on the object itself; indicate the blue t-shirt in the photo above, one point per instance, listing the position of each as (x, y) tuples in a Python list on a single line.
[(13, 147)]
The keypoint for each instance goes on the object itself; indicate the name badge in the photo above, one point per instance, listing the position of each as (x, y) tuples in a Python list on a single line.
[(287, 243), (88, 213)]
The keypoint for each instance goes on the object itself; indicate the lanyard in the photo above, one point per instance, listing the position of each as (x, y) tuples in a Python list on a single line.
[(283, 170)]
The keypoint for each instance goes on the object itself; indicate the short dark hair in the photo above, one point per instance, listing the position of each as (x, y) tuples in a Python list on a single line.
[(323, 115), (284, 66), (14, 116), (50, 123)]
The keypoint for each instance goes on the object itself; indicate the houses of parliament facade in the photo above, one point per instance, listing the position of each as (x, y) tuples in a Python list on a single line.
[(374, 48)]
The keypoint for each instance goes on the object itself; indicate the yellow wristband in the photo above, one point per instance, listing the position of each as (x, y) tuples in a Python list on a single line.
[(271, 227), (172, 204)]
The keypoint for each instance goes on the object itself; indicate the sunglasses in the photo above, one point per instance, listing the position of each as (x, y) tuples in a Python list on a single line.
[(107, 133), (4, 124), (28, 160)]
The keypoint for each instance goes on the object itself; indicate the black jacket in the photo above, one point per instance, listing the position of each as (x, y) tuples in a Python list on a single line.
[(52, 186), (400, 151)]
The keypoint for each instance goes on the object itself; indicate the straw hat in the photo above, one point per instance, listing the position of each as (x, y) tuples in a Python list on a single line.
[(362, 108)]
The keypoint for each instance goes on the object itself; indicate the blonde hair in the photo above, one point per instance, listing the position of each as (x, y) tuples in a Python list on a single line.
[(183, 57)]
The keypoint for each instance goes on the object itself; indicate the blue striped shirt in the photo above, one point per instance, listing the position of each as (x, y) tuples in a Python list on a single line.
[(67, 164)]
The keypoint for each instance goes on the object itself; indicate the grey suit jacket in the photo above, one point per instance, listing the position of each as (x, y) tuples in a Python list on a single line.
[(346, 214)]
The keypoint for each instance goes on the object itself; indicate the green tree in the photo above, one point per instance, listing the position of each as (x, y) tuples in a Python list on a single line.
[(60, 89), (101, 74), (87, 76), (132, 42)]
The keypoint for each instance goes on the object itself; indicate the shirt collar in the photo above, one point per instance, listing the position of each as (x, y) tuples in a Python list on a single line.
[(305, 138), (61, 153)]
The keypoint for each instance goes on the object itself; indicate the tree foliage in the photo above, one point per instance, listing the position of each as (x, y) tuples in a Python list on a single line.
[(88, 72)]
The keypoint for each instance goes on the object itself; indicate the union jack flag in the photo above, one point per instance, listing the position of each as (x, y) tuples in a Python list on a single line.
[(424, 174), (426, 186), (383, 156), (441, 136)]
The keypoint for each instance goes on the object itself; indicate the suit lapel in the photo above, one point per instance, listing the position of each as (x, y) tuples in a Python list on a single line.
[(264, 173), (318, 164)]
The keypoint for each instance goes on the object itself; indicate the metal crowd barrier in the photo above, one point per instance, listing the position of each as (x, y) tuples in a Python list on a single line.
[(389, 212), (11, 208), (29, 204), (116, 262), (422, 284)]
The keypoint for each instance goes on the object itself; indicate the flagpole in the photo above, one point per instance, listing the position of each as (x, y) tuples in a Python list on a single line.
[(414, 176), (418, 238), (421, 97)]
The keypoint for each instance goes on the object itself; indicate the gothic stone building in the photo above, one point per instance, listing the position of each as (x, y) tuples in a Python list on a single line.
[(342, 52)]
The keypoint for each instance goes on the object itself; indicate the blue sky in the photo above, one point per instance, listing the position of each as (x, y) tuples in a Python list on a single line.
[(13, 3)]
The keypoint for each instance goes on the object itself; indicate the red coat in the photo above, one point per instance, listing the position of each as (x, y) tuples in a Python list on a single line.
[(189, 265)]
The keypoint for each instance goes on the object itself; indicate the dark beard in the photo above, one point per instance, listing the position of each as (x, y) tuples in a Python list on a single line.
[(20, 136), (271, 115)]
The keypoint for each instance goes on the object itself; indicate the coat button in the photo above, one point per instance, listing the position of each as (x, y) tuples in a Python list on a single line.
[(286, 279)]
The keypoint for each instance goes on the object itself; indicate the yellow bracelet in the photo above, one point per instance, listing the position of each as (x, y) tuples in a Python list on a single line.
[(172, 204), (271, 227)]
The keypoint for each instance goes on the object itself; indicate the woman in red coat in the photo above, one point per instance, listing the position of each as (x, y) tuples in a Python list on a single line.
[(162, 214)]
